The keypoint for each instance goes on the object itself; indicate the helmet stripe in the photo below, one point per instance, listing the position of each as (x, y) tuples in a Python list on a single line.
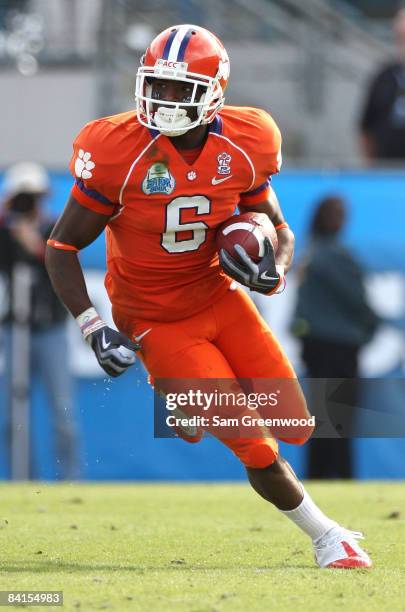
[(184, 43), (177, 41), (168, 44)]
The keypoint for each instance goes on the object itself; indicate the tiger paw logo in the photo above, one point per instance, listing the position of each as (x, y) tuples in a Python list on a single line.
[(158, 180), (84, 165)]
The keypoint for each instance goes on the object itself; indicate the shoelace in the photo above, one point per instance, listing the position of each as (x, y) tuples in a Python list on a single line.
[(341, 534)]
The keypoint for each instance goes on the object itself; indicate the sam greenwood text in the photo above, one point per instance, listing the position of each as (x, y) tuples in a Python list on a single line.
[(246, 420)]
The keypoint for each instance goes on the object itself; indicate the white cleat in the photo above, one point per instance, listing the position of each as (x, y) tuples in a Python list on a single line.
[(338, 548)]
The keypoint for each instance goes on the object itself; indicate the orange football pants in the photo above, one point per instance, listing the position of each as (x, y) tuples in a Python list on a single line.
[(227, 340)]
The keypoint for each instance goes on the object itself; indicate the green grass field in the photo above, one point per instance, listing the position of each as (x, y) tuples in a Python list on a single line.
[(195, 547)]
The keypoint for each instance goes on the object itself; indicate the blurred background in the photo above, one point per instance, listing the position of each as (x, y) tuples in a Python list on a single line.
[(332, 74)]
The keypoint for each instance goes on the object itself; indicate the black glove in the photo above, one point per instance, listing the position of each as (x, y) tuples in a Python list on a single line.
[(114, 351), (265, 276)]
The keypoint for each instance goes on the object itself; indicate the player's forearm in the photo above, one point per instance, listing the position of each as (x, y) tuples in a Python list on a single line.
[(285, 251), (67, 278), (272, 209)]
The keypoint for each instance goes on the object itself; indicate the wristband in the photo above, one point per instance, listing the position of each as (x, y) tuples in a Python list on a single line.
[(281, 287), (90, 321), (282, 284), (62, 246), (281, 226)]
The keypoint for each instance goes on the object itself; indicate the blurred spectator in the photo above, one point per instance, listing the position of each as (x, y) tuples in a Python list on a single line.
[(23, 233), (8, 7), (333, 321), (382, 123)]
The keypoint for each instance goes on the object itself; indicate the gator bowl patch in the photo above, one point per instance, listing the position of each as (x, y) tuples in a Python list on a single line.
[(158, 180)]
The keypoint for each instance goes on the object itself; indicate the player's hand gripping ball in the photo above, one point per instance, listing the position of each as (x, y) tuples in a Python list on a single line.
[(249, 231), (247, 245)]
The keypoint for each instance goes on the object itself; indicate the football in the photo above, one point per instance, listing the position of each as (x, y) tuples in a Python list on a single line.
[(249, 230)]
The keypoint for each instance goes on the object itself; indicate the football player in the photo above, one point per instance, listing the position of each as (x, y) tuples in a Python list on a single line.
[(159, 181)]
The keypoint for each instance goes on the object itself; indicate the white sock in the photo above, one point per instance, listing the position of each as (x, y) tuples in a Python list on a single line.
[(308, 517)]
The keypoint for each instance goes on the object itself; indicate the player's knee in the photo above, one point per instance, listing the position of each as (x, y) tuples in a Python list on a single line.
[(300, 437), (258, 453), (261, 455)]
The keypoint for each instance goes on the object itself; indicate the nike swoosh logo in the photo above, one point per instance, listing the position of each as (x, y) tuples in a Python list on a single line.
[(265, 277), (104, 344), (216, 181), (139, 338)]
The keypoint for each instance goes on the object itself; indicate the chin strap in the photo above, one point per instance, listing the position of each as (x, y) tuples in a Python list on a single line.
[(171, 121)]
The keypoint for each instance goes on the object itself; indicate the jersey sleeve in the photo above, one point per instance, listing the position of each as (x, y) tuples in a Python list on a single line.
[(265, 147), (93, 169)]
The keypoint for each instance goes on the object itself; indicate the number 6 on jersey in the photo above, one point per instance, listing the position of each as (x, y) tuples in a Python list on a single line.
[(174, 224)]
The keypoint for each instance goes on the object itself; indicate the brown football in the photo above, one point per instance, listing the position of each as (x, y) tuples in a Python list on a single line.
[(248, 230)]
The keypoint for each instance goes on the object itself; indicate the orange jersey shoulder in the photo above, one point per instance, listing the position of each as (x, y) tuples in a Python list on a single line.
[(256, 132), (102, 154)]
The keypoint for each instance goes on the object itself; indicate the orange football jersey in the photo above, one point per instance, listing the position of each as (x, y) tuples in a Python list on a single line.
[(162, 262)]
